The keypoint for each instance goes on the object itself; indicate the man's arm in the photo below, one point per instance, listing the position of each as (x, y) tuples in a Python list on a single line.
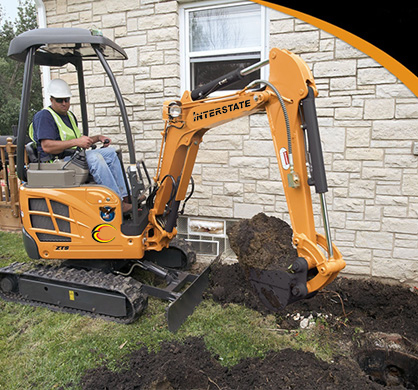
[(57, 147)]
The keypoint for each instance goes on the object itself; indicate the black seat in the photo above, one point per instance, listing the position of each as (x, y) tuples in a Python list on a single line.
[(31, 152)]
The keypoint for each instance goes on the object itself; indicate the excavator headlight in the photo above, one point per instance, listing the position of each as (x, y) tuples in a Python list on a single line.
[(174, 110)]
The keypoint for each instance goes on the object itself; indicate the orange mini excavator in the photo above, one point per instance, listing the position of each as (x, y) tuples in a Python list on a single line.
[(67, 216)]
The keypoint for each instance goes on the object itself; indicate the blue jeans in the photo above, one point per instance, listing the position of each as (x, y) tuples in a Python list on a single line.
[(105, 167)]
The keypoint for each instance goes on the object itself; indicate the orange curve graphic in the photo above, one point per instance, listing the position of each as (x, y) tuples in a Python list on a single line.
[(391, 64)]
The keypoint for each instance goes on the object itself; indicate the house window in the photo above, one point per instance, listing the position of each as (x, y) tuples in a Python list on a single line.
[(218, 38)]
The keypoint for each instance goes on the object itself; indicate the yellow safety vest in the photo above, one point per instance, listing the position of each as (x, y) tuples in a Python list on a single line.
[(65, 132)]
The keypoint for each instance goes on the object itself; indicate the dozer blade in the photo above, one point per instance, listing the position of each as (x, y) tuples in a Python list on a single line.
[(278, 288), (185, 303)]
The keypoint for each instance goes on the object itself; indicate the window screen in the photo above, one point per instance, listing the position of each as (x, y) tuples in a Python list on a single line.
[(220, 38)]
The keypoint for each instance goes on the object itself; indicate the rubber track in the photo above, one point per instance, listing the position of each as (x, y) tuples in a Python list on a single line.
[(187, 250), (137, 300)]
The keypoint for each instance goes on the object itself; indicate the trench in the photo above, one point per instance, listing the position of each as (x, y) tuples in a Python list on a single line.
[(390, 368)]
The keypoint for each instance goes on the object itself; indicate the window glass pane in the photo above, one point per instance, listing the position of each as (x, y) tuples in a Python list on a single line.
[(204, 72), (234, 27)]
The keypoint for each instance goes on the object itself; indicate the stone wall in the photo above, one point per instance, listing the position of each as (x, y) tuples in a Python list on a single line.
[(368, 121)]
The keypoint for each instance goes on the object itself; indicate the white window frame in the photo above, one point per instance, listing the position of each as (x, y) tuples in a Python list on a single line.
[(184, 11)]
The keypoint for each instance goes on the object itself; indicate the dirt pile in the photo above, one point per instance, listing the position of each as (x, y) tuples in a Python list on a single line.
[(364, 304), (262, 242), (191, 366), (229, 284), (367, 304)]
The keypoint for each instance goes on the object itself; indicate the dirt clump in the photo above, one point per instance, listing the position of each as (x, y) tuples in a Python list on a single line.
[(262, 242), (229, 284)]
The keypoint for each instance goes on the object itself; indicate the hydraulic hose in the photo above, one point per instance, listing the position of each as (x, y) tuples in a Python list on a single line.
[(286, 116), (225, 80)]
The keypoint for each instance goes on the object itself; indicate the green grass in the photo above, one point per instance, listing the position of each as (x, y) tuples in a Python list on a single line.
[(41, 349), (11, 248)]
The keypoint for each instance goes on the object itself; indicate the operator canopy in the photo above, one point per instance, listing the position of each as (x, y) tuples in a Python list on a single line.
[(59, 46)]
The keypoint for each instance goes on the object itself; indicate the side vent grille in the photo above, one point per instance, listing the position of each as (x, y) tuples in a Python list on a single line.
[(50, 215), (60, 209), (63, 225), (41, 222), (44, 237), (38, 205)]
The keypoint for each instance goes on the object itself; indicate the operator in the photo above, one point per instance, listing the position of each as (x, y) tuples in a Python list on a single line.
[(55, 130)]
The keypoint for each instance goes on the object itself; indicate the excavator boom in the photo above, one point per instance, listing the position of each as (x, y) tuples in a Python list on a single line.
[(288, 100)]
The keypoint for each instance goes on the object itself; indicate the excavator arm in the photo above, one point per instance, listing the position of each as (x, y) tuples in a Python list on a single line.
[(288, 98)]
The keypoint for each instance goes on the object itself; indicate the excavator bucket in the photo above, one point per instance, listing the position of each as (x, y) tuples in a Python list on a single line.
[(280, 287), (282, 266)]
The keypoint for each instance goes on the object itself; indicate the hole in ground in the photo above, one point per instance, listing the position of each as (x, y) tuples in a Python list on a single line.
[(390, 368)]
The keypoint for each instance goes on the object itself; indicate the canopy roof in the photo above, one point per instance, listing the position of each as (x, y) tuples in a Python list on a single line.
[(59, 46)]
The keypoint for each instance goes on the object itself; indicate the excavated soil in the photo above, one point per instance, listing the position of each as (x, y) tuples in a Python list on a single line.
[(348, 303), (380, 318), (262, 242), (191, 366)]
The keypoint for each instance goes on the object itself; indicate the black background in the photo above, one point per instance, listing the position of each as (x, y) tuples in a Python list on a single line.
[(391, 27)]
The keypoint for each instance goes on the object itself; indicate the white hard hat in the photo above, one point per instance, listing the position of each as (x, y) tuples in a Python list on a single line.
[(59, 88)]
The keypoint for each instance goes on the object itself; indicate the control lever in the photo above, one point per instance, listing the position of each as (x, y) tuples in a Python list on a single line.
[(105, 142), (74, 155)]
